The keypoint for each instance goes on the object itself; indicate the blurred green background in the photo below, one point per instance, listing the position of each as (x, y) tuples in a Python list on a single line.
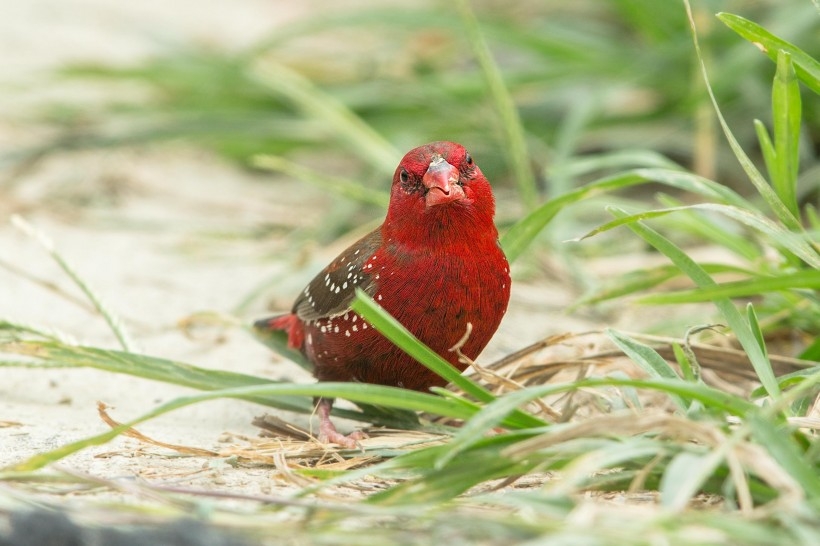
[(548, 96), (588, 77)]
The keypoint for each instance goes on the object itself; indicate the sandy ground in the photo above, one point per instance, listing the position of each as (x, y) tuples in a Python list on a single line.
[(160, 233), (138, 228)]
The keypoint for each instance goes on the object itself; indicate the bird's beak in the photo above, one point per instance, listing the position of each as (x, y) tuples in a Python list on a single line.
[(441, 181)]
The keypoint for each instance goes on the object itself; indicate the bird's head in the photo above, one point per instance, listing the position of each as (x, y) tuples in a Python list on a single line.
[(437, 189)]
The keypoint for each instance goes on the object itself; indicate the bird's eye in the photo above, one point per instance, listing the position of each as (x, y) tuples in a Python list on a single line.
[(404, 176), (468, 159)]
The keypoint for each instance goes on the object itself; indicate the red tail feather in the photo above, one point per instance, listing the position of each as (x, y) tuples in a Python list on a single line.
[(286, 323)]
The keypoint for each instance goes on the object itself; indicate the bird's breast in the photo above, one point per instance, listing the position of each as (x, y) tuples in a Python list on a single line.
[(435, 295)]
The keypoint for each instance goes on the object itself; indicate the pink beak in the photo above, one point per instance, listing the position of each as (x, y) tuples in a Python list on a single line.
[(441, 181)]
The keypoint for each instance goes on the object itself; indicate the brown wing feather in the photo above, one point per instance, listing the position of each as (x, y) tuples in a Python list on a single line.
[(331, 291)]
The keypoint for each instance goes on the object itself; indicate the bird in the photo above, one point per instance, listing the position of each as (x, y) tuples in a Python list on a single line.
[(435, 264)]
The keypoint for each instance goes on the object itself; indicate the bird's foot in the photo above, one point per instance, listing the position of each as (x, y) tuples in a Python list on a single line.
[(329, 435), (327, 430), (350, 441)]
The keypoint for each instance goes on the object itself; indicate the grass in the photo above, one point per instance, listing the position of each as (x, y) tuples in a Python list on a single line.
[(514, 452)]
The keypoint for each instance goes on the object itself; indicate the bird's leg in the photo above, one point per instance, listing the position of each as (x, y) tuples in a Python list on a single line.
[(327, 430)]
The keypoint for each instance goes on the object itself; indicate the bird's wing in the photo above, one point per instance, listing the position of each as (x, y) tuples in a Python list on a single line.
[(331, 291)]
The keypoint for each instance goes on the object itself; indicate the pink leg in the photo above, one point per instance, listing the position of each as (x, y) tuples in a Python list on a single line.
[(327, 430)]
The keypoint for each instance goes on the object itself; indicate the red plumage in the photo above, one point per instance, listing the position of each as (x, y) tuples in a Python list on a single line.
[(434, 264)]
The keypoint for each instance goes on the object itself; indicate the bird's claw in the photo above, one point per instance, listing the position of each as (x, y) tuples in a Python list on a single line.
[(350, 441), (327, 430)]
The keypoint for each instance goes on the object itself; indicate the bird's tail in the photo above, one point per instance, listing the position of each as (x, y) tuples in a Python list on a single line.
[(286, 323)]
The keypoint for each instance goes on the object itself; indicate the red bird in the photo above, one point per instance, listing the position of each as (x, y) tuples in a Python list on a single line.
[(435, 264)]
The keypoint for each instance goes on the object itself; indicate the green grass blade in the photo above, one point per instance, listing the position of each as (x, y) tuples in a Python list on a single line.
[(514, 138), (643, 355), (806, 67), (786, 113), (365, 306), (686, 359), (810, 374), (766, 148), (809, 279), (53, 354), (706, 228), (568, 137), (697, 185), (350, 129), (620, 159), (14, 331), (147, 367), (398, 334), (357, 392), (440, 485), (490, 416), (341, 186), (782, 212), (602, 457), (734, 319), (524, 232), (648, 359), (685, 475), (754, 324), (797, 243), (812, 352), (113, 321), (516, 240), (645, 279), (711, 397), (779, 441)]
